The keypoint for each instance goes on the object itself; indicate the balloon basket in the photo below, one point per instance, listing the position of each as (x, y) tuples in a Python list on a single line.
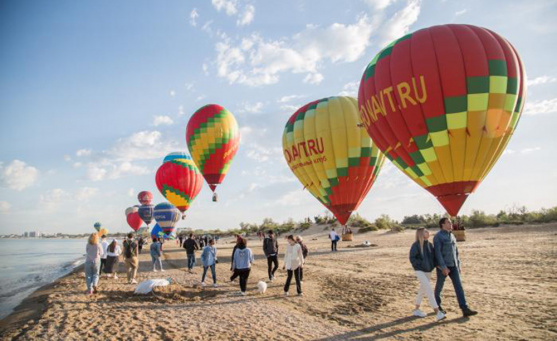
[(460, 235), (215, 197), (347, 237)]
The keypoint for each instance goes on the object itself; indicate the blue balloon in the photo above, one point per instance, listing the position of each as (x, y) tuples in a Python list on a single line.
[(146, 213), (176, 155), (156, 231), (166, 216)]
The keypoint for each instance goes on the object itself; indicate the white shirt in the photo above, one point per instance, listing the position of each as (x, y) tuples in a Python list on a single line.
[(333, 235), (293, 258), (104, 249), (117, 251)]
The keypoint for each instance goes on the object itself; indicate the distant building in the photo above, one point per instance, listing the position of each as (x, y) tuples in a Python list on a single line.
[(26, 234), (34, 234)]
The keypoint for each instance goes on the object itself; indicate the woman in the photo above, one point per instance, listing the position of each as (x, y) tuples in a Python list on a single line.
[(209, 260), (92, 263), (156, 254), (305, 252), (293, 263), (241, 264), (422, 259), (234, 272), (112, 255)]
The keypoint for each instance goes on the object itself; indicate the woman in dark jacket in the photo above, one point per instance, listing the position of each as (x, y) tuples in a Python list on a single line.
[(422, 259)]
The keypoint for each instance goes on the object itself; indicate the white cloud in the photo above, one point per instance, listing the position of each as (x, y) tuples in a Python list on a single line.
[(313, 78), (541, 80), (54, 196), (172, 93), (350, 89), (529, 150), (286, 99), (109, 170), (162, 120), (67, 158), (461, 12), (247, 16), (251, 108), (263, 154), (83, 152), (193, 17), (143, 145), (508, 152), (296, 198), (205, 69), (379, 4), (5, 206), (229, 6), (18, 175), (547, 106), (95, 173), (400, 22), (77, 164), (200, 98), (86, 193), (131, 192), (189, 86), (181, 111), (207, 27)]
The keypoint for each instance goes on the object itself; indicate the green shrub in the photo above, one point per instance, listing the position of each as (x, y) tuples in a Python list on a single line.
[(384, 222), (368, 229)]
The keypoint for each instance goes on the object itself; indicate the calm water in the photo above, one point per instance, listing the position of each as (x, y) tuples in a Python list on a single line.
[(28, 264)]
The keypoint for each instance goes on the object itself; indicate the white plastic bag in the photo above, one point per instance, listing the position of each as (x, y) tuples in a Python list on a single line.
[(147, 286)]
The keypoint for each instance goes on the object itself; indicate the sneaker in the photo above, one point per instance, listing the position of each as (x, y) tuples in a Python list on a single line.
[(286, 293), (442, 310), (115, 277), (214, 285), (155, 270), (468, 312), (133, 281), (162, 270), (440, 316), (300, 294), (419, 313), (203, 284), (243, 293)]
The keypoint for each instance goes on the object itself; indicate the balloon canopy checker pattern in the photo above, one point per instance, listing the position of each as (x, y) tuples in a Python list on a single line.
[(213, 138), (442, 104), (179, 181), (331, 155)]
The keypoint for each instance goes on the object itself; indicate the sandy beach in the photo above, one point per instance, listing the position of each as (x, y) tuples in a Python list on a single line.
[(358, 293)]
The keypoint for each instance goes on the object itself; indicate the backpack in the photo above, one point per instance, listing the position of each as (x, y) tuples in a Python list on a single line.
[(129, 249), (305, 250)]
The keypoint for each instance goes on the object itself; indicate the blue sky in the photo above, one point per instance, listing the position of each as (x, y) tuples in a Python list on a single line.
[(93, 94)]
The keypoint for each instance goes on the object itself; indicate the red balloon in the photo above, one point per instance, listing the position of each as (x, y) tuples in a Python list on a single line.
[(145, 197), (134, 220)]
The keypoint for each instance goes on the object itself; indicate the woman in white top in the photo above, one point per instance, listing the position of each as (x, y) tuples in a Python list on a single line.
[(293, 263), (112, 254), (92, 263)]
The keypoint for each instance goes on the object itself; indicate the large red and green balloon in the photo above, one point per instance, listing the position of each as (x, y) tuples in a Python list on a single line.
[(442, 104), (213, 138), (331, 155)]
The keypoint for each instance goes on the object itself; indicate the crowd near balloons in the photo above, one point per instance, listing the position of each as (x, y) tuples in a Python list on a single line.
[(441, 104)]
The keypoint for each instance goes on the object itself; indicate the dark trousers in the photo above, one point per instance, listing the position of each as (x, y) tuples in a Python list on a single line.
[(334, 245), (296, 273), (244, 275), (103, 264), (234, 275), (191, 260), (301, 273), (270, 261), (455, 278)]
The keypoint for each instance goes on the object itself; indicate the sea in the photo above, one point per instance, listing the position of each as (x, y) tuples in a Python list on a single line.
[(28, 264)]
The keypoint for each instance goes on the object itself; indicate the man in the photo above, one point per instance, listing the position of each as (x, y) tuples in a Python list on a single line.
[(130, 258), (448, 264), (270, 248), (104, 249), (191, 245), (333, 236)]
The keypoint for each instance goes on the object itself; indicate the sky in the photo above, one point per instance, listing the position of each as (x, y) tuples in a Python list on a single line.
[(94, 94)]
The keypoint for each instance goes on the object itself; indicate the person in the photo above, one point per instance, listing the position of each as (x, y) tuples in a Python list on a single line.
[(293, 262), (156, 254), (104, 248), (241, 263), (333, 236), (209, 260), (305, 253), (422, 258), (234, 272), (181, 239), (112, 256), (92, 263), (130, 258), (270, 248), (448, 264), (191, 245), (140, 244)]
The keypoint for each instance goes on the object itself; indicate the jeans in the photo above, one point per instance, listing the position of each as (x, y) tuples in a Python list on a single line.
[(244, 275), (425, 289), (205, 268), (334, 245), (270, 261), (92, 274), (156, 259), (191, 260), (296, 273), (455, 278)]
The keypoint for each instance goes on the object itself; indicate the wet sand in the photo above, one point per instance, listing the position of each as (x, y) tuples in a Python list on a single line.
[(357, 293)]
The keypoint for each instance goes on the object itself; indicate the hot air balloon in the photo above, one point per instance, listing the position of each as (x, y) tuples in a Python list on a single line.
[(442, 104), (146, 213), (97, 226), (130, 210), (134, 220), (331, 155), (213, 139), (166, 216), (179, 181), (102, 232), (156, 232), (175, 155), (145, 197)]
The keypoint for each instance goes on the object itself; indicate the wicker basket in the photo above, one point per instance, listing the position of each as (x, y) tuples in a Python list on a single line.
[(347, 237), (460, 235)]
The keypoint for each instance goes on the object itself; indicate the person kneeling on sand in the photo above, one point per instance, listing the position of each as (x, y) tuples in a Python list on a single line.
[(293, 262), (156, 254), (422, 259), (448, 264), (113, 252), (209, 260), (130, 258), (241, 263), (92, 263)]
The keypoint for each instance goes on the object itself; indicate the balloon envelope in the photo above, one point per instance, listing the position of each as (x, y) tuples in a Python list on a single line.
[(146, 213), (176, 155), (145, 197), (166, 216), (156, 232), (331, 155), (179, 181), (134, 220), (130, 210), (103, 232), (442, 104), (97, 226), (213, 138)]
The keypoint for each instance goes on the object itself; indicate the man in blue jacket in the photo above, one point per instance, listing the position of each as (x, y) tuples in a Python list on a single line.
[(448, 264)]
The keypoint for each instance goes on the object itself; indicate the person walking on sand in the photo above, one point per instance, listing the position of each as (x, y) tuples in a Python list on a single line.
[(181, 239), (156, 254), (422, 258), (333, 236), (209, 260), (305, 253), (92, 263), (140, 244), (293, 262), (104, 249), (130, 258), (448, 264), (270, 248), (113, 252), (241, 263), (234, 272), (191, 245)]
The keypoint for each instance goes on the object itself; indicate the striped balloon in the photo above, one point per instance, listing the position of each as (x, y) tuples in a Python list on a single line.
[(179, 181), (213, 138), (166, 216), (442, 104), (97, 226), (331, 155), (176, 155)]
